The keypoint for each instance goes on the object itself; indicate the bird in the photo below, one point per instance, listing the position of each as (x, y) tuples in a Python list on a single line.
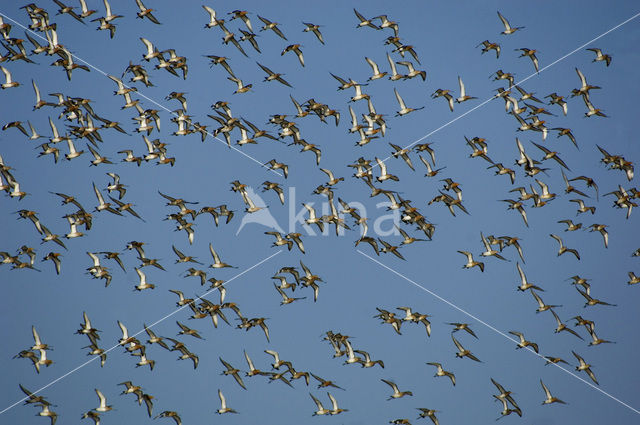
[(489, 251), (146, 12), (295, 237), (563, 248), (597, 341), (148, 401), (593, 301), (531, 54), (154, 339), (335, 410), (185, 330), (183, 258), (523, 342), (581, 206), (541, 305), (32, 398), (269, 25), (48, 236), (275, 165), (271, 76), (464, 327), (487, 45), (223, 405), (103, 206), (125, 207), (470, 261), (103, 403), (221, 60), (562, 327), (502, 170), (73, 153), (285, 298), (253, 371), (309, 27), (603, 231), (251, 38), (589, 181), (216, 259), (170, 414), (233, 372), (48, 413), (463, 352), (321, 409), (396, 392), (441, 372), (600, 56), (411, 71), (143, 284), (387, 247), (431, 171), (376, 71), (313, 218), (584, 87), (383, 172), (55, 257), (446, 94), (407, 239), (554, 360), (463, 97), (296, 49), (549, 154), (9, 83), (404, 110), (367, 362), (364, 22), (429, 413), (513, 241), (323, 383), (242, 88), (508, 29), (505, 396), (584, 366), (592, 110), (549, 398)]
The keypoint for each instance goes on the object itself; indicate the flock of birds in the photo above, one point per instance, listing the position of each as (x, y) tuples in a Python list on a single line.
[(85, 125)]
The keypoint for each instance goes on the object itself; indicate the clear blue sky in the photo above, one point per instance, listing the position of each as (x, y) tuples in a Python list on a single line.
[(444, 35)]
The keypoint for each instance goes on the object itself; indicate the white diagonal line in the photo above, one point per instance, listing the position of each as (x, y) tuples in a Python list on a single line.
[(499, 332), (447, 124), (136, 334), (140, 94)]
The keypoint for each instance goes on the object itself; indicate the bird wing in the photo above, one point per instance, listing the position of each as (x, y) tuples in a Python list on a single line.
[(249, 362), (455, 341), (504, 22), (98, 194), (123, 328), (399, 99), (216, 259), (96, 260), (334, 402), (101, 397), (36, 337), (583, 80), (318, 404), (373, 66), (546, 390), (223, 401)]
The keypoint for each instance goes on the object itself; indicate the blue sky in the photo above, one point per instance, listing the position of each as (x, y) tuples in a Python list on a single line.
[(445, 36)]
